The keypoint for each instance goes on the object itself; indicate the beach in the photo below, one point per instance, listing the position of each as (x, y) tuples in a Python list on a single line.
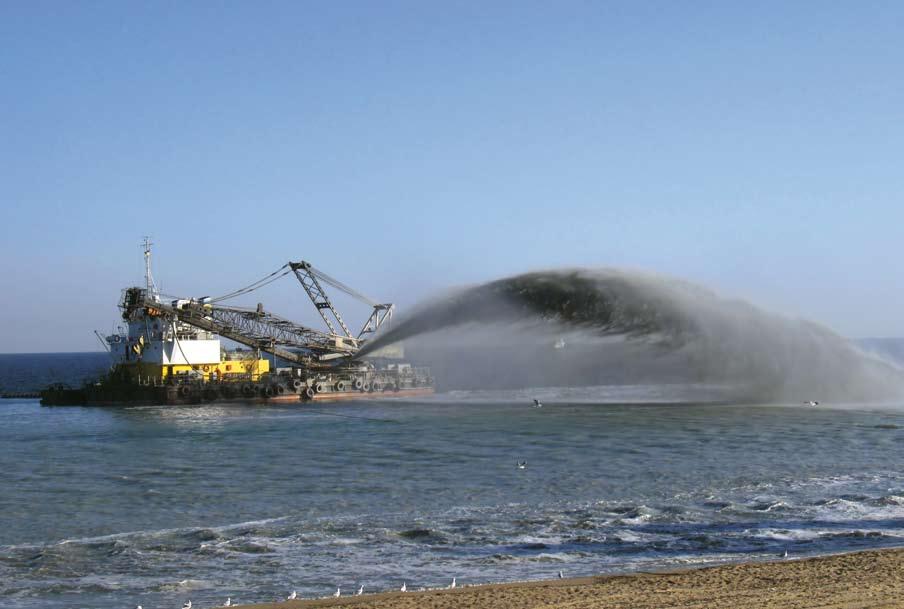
[(846, 581)]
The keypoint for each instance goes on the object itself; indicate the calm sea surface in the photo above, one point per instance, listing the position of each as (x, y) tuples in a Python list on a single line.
[(158, 505)]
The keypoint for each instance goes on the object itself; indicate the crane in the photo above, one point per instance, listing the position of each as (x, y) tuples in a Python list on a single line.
[(170, 352), (270, 333)]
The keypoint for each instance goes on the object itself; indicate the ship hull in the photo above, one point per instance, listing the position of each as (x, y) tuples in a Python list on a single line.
[(352, 395), (137, 395)]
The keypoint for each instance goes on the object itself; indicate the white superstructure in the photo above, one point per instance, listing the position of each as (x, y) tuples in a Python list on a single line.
[(154, 346)]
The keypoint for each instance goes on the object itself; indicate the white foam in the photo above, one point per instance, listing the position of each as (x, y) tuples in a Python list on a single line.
[(784, 534), (145, 533)]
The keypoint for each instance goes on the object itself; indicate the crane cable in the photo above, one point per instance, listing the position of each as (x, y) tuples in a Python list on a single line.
[(285, 270), (278, 273), (342, 287)]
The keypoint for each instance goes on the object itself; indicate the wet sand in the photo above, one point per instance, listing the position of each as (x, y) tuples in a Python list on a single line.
[(863, 579)]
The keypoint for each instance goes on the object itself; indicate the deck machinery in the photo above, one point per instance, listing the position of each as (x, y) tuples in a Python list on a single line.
[(170, 350)]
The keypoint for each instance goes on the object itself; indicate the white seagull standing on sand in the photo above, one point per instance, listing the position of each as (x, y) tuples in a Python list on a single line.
[(452, 585), (292, 596), (338, 592), (228, 602), (404, 587), (360, 590), (561, 575)]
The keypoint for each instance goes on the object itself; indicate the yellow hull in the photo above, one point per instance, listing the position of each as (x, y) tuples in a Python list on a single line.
[(143, 372)]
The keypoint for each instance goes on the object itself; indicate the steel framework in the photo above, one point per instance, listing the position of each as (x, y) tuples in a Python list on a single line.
[(310, 279), (260, 329)]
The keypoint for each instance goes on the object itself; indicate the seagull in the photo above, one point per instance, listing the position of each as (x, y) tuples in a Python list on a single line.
[(338, 592), (138, 607), (785, 555), (186, 605), (404, 587), (522, 464), (360, 590), (452, 585), (228, 602), (561, 575), (537, 403), (292, 596), (811, 403)]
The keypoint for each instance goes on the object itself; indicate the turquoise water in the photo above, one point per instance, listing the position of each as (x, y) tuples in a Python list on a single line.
[(157, 505)]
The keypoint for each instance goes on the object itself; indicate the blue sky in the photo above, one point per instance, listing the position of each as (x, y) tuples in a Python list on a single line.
[(408, 146)]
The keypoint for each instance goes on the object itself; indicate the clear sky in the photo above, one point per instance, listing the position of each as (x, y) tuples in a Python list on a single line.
[(403, 147)]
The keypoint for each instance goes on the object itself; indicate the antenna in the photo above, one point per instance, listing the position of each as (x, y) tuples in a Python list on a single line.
[(148, 278)]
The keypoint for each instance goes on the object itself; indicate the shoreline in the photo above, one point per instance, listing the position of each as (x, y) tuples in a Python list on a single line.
[(866, 578)]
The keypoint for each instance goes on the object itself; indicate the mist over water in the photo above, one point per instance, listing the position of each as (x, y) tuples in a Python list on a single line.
[(620, 326)]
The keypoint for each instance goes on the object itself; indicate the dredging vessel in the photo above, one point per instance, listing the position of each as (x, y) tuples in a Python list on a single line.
[(172, 351)]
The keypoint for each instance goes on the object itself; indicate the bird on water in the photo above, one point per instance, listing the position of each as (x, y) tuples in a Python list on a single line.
[(187, 605), (537, 403)]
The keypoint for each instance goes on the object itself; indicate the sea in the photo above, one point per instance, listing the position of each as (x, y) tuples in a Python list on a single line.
[(116, 507)]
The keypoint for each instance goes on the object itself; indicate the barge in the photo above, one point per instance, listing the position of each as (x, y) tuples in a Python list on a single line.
[(172, 352)]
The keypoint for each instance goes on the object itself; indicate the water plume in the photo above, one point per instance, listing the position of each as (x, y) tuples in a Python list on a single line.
[(655, 319)]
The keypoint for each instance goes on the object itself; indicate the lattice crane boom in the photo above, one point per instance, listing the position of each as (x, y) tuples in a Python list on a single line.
[(310, 279), (262, 330), (267, 332), (307, 277)]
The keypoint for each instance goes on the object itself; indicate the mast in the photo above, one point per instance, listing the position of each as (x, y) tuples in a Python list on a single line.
[(148, 278)]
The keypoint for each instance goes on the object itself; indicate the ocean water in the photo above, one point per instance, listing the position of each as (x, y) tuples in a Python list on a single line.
[(115, 507)]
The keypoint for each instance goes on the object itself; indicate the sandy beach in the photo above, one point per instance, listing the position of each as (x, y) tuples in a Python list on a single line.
[(846, 581)]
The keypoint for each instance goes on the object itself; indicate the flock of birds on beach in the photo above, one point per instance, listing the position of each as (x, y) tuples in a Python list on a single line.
[(294, 594), (404, 588)]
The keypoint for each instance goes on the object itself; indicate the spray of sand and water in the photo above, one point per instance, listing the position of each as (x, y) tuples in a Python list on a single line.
[(662, 326)]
